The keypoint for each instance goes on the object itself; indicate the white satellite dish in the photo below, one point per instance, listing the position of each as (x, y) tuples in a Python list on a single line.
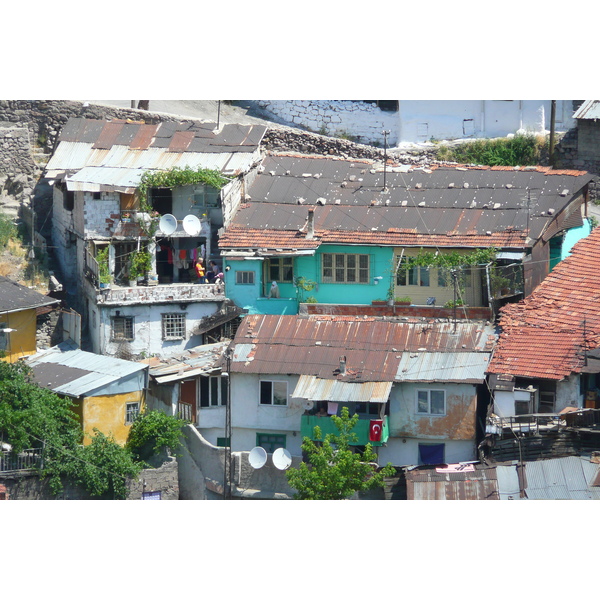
[(308, 405), (192, 225), (282, 459), (257, 457), (167, 224)]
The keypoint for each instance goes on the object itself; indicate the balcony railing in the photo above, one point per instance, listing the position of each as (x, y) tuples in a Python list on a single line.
[(309, 422), (26, 460)]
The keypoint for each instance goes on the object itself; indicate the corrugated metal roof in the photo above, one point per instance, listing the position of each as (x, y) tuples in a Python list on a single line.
[(191, 363), (98, 370), (429, 484), (138, 147), (590, 109), (467, 367), (373, 347), (316, 389), (566, 478)]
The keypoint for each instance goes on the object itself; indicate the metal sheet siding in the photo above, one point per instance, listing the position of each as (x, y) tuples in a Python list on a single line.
[(590, 109), (464, 367), (316, 389)]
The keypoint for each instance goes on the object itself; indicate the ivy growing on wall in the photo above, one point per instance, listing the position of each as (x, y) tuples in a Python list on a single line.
[(177, 177)]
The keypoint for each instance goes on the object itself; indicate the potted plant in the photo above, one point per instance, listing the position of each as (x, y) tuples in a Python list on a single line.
[(141, 264), (403, 301), (378, 302), (104, 274)]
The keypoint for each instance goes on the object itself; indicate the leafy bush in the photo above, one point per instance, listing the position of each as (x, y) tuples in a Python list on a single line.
[(152, 432), (520, 150)]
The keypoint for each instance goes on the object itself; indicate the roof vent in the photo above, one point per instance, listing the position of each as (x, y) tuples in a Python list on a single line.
[(466, 184), (551, 211), (497, 205), (473, 204), (421, 203), (450, 185), (508, 186), (301, 200), (272, 173), (418, 186), (564, 193), (352, 178), (321, 201), (344, 184), (337, 201), (342, 365)]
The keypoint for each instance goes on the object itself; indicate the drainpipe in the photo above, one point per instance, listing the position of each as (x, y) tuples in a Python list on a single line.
[(552, 133)]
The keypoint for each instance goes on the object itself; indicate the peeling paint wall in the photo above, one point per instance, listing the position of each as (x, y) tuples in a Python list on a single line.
[(457, 424), (22, 341), (107, 413)]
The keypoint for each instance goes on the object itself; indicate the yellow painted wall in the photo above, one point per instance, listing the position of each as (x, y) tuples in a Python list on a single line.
[(22, 341), (107, 413)]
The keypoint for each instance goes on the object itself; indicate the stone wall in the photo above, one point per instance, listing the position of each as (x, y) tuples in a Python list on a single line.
[(364, 121), (27, 485)]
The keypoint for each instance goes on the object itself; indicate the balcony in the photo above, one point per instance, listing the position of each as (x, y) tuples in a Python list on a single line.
[(309, 422), (166, 293)]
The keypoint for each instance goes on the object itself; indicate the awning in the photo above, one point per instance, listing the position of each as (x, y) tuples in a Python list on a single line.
[(333, 390), (510, 255)]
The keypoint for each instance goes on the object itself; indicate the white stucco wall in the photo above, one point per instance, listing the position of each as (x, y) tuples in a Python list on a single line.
[(148, 328), (421, 120)]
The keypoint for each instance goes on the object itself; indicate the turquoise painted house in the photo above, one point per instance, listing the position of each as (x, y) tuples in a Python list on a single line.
[(335, 231)]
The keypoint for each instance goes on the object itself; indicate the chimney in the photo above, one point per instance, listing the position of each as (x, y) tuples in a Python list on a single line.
[(342, 365), (310, 232)]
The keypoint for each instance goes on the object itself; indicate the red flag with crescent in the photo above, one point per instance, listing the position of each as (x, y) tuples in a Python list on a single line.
[(375, 430)]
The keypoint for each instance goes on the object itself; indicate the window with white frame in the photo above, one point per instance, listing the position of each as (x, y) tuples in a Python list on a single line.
[(132, 410), (121, 329), (431, 402), (244, 277), (173, 326), (345, 268), (213, 391), (274, 393)]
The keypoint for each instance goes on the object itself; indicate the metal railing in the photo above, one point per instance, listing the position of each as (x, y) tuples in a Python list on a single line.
[(24, 461), (533, 423), (184, 411)]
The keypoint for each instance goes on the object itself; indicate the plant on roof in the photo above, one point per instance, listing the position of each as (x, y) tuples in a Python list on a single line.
[(333, 469), (177, 177), (519, 150), (140, 263)]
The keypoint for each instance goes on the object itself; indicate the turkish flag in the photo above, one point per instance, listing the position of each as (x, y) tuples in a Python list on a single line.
[(375, 430)]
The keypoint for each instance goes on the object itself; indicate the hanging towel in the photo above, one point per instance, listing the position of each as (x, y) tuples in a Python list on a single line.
[(170, 256), (332, 408)]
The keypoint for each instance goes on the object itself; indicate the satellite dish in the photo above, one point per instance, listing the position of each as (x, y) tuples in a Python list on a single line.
[(282, 459), (308, 404), (192, 225), (257, 457), (167, 224)]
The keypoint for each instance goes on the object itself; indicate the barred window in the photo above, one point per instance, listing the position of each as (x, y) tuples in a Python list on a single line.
[(132, 410), (345, 268), (173, 326), (122, 328)]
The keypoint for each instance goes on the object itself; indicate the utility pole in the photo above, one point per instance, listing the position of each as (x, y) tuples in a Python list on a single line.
[(385, 134), (552, 133), (227, 462)]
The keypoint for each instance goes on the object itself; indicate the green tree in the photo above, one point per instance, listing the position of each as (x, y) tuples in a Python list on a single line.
[(152, 432), (103, 467), (334, 471), (33, 417)]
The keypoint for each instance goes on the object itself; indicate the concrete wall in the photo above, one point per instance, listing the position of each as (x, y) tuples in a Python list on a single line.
[(405, 451), (201, 473)]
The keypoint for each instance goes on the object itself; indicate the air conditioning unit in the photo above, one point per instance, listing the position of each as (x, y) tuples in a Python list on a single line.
[(524, 401)]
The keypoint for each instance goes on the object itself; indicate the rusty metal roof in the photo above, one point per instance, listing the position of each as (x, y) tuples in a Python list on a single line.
[(373, 347), (590, 109), (201, 360), (455, 367), (138, 147), (428, 483), (474, 206)]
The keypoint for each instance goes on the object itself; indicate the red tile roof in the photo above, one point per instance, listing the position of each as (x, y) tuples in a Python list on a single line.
[(545, 334)]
